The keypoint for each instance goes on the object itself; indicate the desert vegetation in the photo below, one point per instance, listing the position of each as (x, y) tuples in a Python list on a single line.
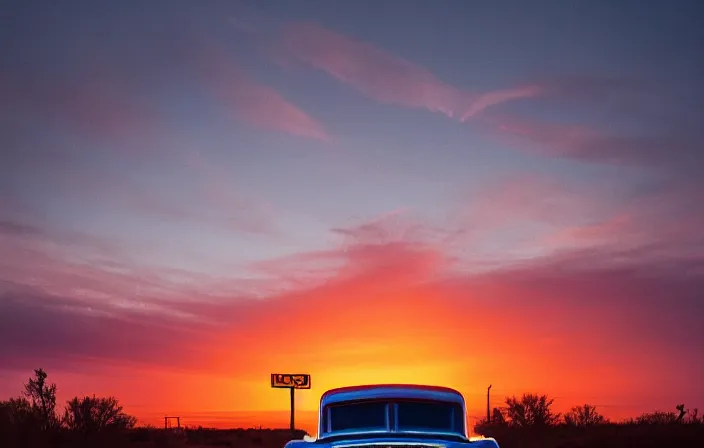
[(33, 420), (529, 421)]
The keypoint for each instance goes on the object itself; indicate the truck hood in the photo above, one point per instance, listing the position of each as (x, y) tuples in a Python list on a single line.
[(394, 442)]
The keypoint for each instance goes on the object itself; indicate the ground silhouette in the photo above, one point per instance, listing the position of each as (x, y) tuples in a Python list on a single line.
[(32, 420)]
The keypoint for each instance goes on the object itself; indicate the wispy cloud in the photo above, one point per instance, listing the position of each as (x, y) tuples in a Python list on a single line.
[(524, 196), (486, 100), (674, 149), (108, 103), (384, 77), (515, 210), (207, 196), (608, 121), (250, 100), (592, 88), (17, 228), (76, 329), (102, 108), (665, 221), (262, 106), (233, 210)]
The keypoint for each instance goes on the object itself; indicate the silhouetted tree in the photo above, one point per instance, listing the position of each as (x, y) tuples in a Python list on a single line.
[(585, 415), (680, 407), (497, 417), (693, 416), (16, 412), (42, 397), (656, 418), (488, 428), (531, 411), (91, 415), (21, 425)]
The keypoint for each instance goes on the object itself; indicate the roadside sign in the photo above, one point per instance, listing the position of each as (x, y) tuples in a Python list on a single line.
[(290, 380)]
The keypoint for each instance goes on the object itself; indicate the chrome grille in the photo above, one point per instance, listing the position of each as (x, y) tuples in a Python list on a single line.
[(391, 445)]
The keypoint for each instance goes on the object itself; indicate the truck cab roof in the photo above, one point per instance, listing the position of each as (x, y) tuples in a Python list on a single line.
[(381, 391), (392, 410)]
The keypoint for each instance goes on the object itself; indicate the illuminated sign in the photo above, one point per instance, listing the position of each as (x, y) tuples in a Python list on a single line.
[(291, 380)]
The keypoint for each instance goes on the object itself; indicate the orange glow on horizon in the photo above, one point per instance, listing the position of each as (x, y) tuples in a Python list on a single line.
[(369, 334), (386, 317)]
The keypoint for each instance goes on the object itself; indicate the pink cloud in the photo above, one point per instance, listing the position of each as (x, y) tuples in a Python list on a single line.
[(526, 206), (385, 240), (40, 261), (486, 100), (385, 77), (102, 107), (387, 227), (264, 107), (251, 101), (668, 222), (524, 216), (215, 199), (525, 196), (236, 210), (594, 88), (613, 227), (100, 104), (551, 139), (300, 269), (669, 148)]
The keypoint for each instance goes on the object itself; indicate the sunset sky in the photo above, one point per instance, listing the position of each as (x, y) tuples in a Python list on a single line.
[(196, 194)]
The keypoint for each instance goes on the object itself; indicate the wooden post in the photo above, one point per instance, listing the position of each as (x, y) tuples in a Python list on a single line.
[(292, 408), (166, 421)]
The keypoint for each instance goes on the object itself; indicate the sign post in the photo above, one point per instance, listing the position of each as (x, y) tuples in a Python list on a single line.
[(291, 381), (293, 410)]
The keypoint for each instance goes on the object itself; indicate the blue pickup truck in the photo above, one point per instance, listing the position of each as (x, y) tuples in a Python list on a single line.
[(392, 416)]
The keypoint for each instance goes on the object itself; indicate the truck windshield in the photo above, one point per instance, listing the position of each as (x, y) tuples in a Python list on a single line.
[(364, 415), (429, 415)]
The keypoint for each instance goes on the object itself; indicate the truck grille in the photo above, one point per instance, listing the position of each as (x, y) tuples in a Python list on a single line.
[(391, 445)]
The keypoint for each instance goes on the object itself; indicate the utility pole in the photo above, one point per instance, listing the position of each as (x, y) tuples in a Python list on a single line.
[(488, 408)]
